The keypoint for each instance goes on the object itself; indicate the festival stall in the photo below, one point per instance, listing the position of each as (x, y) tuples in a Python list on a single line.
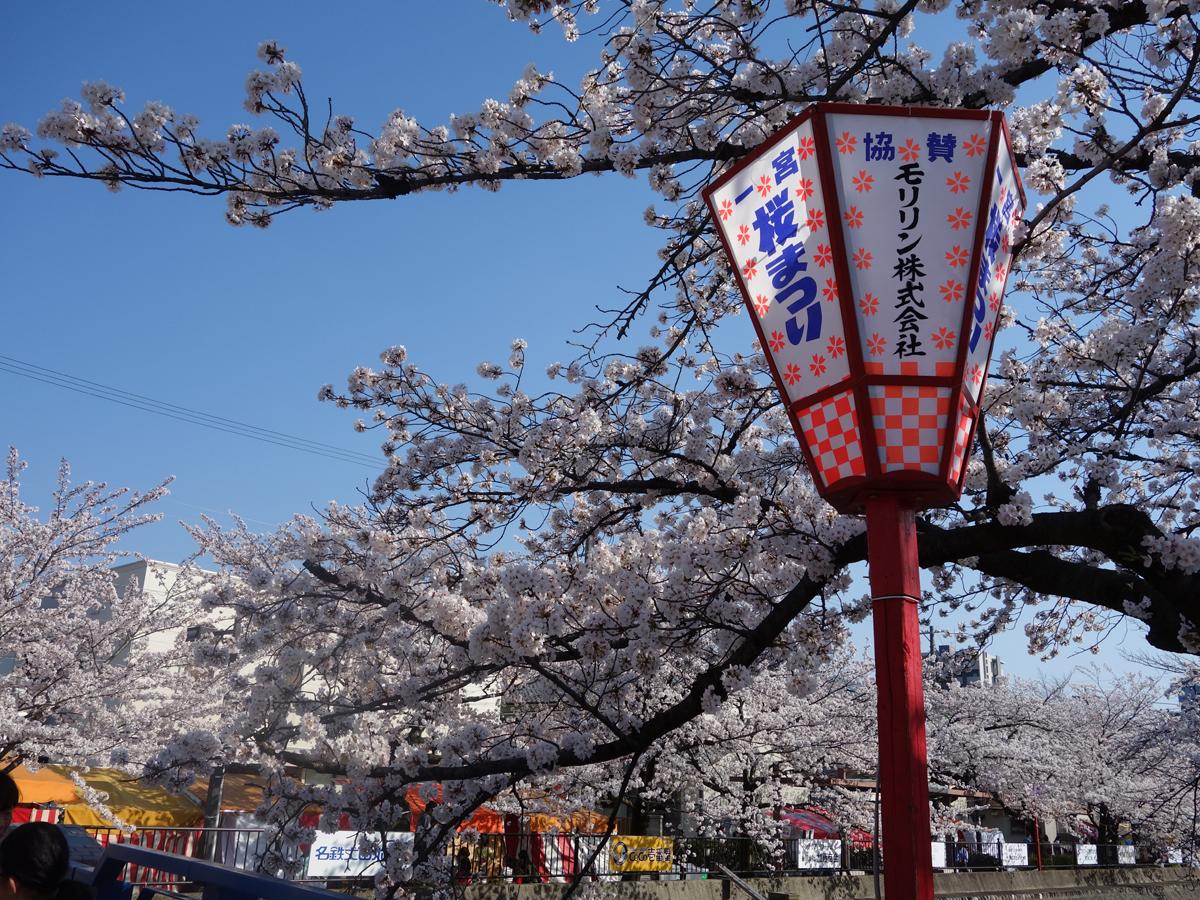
[(42, 791)]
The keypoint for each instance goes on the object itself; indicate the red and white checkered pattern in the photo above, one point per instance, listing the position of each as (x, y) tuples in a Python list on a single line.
[(830, 430), (961, 432), (910, 425)]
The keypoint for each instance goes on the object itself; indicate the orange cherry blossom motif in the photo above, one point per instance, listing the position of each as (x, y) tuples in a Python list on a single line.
[(815, 220), (806, 188), (869, 304), (952, 291), (958, 182), (807, 147), (847, 143), (764, 185), (943, 338), (876, 344), (829, 292), (956, 256), (776, 341), (750, 268), (853, 217), (817, 365), (863, 181), (862, 258), (823, 256), (910, 150), (836, 347), (960, 218), (726, 209), (743, 235), (976, 374), (1001, 271), (974, 145), (989, 330), (792, 373), (761, 305), (994, 301)]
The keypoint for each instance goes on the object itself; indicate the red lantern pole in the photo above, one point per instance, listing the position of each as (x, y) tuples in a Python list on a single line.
[(903, 770)]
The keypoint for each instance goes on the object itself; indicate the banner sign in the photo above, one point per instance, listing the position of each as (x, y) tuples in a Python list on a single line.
[(1085, 855), (938, 852), (637, 853), (818, 854), (352, 854), (1175, 857), (1014, 855), (1126, 855)]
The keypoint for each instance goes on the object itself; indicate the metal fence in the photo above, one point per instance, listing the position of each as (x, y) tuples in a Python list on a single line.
[(238, 847), (496, 857), (560, 856)]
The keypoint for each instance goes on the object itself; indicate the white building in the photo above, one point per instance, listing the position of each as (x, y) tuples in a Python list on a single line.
[(984, 670)]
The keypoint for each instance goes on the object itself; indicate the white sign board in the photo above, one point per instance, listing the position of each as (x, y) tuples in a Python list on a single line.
[(938, 852), (1085, 855), (815, 854), (1051, 827), (1014, 855), (1175, 857), (1126, 855), (352, 854)]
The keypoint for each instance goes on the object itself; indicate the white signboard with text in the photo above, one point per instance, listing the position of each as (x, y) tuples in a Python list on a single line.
[(352, 854), (938, 852), (1085, 855), (1126, 855), (1014, 855), (818, 854)]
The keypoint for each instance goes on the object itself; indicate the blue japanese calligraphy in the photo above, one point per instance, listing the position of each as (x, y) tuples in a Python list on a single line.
[(992, 236), (879, 148), (775, 222), (784, 270), (941, 146), (785, 165)]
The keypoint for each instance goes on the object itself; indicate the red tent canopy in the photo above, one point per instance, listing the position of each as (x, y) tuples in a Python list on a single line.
[(483, 820), (816, 820)]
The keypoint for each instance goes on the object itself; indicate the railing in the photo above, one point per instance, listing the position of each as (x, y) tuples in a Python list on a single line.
[(212, 881), (554, 856), (241, 848)]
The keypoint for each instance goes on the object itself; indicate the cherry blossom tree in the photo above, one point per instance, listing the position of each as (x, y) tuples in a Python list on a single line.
[(1092, 753), (77, 682), (629, 552)]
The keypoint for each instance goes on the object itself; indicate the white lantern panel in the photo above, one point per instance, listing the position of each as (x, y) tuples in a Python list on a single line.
[(1004, 212), (772, 214), (909, 188)]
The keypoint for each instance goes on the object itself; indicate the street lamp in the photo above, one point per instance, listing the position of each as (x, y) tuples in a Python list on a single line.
[(871, 245)]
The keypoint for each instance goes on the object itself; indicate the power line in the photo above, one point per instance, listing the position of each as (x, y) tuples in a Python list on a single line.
[(182, 413)]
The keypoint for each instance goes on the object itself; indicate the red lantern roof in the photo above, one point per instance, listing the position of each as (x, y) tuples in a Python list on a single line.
[(871, 245)]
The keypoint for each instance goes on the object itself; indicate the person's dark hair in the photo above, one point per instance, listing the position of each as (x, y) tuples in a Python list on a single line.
[(37, 857), (10, 794)]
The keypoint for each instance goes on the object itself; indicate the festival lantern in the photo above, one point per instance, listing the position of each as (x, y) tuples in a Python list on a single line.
[(871, 245)]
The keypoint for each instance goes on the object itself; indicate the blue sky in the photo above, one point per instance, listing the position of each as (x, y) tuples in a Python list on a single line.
[(157, 295)]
